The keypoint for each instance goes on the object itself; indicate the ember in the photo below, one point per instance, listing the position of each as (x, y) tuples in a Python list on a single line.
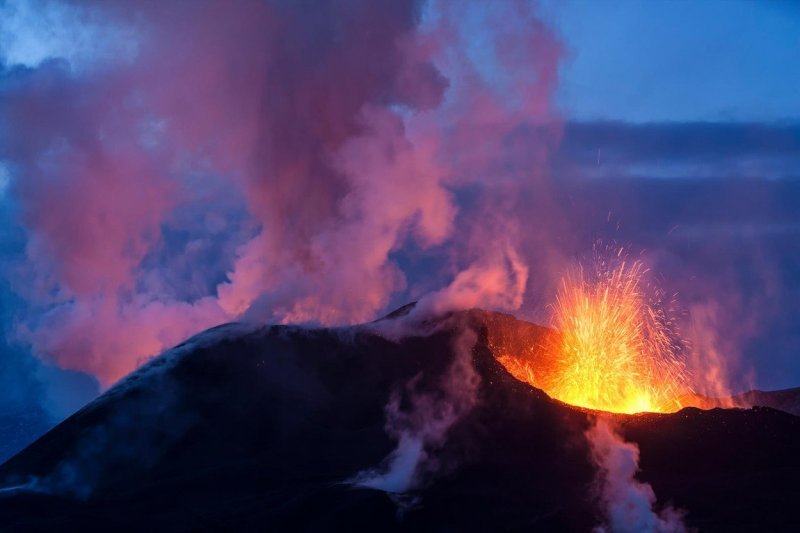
[(616, 349)]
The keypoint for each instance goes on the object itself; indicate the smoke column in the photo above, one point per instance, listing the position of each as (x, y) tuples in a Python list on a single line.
[(627, 503), (175, 165)]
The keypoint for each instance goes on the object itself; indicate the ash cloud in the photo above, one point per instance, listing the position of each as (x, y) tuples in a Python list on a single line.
[(293, 149)]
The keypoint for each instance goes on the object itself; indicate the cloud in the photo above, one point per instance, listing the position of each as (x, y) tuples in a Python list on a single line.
[(263, 161), (5, 179), (34, 31), (681, 149)]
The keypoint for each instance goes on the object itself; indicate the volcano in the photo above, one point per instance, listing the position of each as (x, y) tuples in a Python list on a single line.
[(249, 427)]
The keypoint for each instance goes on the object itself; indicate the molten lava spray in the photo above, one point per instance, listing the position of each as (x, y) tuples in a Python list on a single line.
[(616, 348)]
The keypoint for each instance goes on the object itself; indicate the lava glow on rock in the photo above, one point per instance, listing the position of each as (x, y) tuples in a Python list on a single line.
[(615, 348)]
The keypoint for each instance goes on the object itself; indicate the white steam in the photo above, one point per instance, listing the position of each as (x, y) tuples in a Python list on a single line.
[(628, 504), (422, 430)]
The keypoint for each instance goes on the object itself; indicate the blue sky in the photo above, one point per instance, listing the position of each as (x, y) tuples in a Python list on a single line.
[(628, 60), (679, 60)]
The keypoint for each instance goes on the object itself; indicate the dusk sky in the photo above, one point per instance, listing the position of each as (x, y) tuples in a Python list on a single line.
[(148, 192), (662, 61)]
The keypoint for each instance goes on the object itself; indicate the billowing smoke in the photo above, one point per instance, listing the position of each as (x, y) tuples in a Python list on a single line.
[(627, 504), (282, 161), (422, 426)]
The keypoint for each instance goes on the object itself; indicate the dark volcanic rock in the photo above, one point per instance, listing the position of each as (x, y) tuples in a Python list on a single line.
[(258, 428), (785, 400)]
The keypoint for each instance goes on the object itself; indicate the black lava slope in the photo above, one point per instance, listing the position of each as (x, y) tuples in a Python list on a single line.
[(258, 428)]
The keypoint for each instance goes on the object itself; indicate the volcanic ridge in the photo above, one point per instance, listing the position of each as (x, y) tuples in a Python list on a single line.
[(247, 427)]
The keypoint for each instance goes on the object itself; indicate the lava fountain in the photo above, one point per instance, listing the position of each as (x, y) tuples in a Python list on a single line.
[(616, 347)]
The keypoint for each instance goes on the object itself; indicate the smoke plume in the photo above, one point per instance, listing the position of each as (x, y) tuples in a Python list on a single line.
[(284, 161), (627, 504)]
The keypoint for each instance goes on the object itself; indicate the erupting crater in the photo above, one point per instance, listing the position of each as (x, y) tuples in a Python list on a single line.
[(614, 346)]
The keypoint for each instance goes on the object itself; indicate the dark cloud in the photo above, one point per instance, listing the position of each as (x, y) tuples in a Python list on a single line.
[(680, 149)]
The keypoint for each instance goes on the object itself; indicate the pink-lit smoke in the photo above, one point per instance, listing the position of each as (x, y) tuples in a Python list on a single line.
[(627, 504), (269, 161)]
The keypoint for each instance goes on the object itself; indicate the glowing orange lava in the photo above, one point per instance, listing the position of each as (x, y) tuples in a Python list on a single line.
[(615, 348)]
